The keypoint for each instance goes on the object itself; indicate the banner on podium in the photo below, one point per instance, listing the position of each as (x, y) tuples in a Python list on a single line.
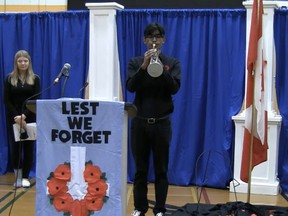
[(78, 162)]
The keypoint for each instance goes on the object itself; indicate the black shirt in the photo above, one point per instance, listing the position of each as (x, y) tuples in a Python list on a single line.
[(153, 95), (15, 96)]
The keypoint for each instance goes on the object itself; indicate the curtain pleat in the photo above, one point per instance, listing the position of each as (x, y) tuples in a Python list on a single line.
[(281, 48), (52, 39), (210, 45)]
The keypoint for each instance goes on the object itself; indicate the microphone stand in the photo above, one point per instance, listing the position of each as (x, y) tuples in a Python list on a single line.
[(66, 75)]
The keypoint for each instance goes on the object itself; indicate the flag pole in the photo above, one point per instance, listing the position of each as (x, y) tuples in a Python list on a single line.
[(255, 134), (251, 140)]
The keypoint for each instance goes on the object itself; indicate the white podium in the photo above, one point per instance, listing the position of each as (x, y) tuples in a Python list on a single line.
[(81, 162)]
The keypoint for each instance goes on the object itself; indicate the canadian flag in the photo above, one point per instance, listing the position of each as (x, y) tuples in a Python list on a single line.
[(255, 133)]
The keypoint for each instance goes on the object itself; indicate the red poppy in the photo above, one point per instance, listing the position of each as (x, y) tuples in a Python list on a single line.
[(79, 208), (63, 202), (63, 172), (94, 203), (56, 186), (166, 68), (92, 173), (98, 188)]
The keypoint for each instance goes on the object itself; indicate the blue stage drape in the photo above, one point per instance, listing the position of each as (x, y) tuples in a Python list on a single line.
[(52, 39), (281, 47), (210, 45)]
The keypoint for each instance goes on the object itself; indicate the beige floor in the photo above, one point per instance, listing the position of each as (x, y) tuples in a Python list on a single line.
[(177, 197)]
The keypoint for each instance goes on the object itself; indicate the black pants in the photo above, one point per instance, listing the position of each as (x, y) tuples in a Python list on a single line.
[(22, 154), (145, 138)]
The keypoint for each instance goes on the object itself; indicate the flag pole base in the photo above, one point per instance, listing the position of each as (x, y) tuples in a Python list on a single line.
[(264, 176)]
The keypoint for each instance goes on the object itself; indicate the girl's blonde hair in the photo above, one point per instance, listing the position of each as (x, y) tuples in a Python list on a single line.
[(30, 75)]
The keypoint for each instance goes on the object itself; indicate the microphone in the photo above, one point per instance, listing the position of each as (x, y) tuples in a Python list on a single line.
[(63, 72)]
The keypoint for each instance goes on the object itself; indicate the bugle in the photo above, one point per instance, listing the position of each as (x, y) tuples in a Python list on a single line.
[(155, 67)]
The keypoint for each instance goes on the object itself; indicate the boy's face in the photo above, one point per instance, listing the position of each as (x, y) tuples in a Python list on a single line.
[(154, 38)]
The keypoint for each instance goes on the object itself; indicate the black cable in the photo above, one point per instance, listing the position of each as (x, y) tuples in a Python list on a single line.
[(196, 174), (81, 89), (234, 188), (17, 172), (205, 179), (21, 142)]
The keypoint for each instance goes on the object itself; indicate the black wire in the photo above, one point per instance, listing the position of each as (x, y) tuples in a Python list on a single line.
[(81, 89), (205, 179), (17, 170), (21, 142)]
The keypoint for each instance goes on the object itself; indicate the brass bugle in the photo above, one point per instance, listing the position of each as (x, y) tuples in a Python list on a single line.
[(155, 67)]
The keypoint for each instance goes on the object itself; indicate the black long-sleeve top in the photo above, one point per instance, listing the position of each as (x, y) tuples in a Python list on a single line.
[(153, 95), (16, 96)]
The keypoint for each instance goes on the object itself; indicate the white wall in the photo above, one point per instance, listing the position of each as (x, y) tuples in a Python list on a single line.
[(33, 2), (32, 5)]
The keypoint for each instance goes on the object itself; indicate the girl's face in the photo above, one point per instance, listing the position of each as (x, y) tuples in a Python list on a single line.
[(22, 63)]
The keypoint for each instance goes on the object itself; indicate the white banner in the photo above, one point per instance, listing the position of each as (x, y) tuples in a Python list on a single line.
[(78, 167)]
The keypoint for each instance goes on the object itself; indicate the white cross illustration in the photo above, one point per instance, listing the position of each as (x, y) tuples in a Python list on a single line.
[(77, 187)]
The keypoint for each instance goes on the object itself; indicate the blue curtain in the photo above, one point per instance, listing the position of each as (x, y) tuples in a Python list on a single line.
[(210, 45), (52, 39), (281, 47)]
